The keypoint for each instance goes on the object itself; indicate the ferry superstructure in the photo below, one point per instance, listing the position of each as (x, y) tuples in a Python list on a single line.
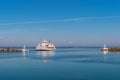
[(45, 46)]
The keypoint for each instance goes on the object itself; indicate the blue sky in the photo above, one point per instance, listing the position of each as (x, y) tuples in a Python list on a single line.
[(64, 22)]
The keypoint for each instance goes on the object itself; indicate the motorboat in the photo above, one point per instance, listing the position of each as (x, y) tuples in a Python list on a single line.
[(104, 48), (24, 49)]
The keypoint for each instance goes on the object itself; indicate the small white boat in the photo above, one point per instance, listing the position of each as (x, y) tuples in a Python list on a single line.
[(45, 46), (24, 49), (104, 48)]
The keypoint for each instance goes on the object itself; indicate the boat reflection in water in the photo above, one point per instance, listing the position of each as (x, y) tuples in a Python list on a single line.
[(105, 55), (25, 54), (105, 52), (46, 55)]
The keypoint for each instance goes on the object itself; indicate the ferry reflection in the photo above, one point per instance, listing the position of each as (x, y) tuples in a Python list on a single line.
[(45, 53)]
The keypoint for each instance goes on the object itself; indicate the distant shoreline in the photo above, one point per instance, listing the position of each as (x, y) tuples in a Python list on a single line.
[(56, 47)]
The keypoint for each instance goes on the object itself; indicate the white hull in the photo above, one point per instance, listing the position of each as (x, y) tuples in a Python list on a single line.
[(44, 50), (24, 49)]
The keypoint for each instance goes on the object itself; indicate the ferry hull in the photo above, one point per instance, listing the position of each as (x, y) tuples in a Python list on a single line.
[(44, 50)]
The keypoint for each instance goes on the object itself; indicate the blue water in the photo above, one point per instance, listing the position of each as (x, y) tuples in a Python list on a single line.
[(62, 64)]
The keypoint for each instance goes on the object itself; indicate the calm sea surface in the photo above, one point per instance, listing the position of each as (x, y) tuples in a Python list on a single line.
[(62, 64)]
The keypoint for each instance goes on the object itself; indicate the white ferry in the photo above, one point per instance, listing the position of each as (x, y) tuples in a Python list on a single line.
[(45, 46)]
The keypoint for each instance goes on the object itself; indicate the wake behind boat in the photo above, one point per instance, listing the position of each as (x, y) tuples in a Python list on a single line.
[(45, 46)]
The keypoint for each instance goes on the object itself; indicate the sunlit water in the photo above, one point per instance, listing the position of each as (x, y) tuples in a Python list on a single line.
[(62, 64)]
